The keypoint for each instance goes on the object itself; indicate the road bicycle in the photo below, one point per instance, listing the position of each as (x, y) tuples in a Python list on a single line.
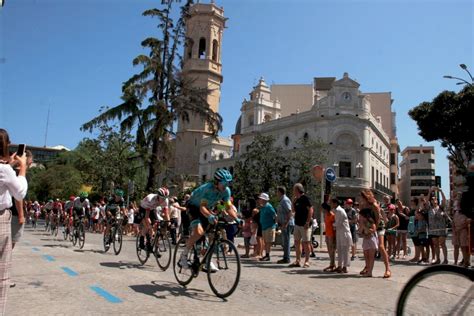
[(161, 246), (54, 225), (440, 290), (221, 261), (78, 233), (114, 235)]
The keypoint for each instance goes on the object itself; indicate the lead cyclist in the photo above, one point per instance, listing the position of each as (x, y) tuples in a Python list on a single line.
[(202, 201)]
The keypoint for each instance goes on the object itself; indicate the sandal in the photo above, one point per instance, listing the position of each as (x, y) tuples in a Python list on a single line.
[(294, 265), (306, 265), (387, 274), (329, 269), (364, 271), (366, 275), (338, 270)]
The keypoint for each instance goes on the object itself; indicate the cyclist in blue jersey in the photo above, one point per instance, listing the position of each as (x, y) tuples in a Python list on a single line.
[(202, 201)]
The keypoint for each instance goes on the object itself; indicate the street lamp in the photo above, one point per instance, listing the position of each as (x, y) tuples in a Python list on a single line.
[(359, 167), (461, 80)]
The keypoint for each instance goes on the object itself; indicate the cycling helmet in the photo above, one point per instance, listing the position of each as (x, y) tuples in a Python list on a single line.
[(223, 176), (119, 192), (163, 192), (72, 198), (50, 201), (83, 195)]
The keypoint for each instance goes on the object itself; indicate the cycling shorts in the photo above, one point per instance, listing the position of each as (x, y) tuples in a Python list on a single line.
[(196, 217), (141, 215)]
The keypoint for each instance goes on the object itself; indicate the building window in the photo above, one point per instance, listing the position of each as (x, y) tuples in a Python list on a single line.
[(202, 48), (423, 183), (414, 161), (392, 158), (305, 137), (431, 161), (392, 178), (203, 178), (214, 50), (422, 172), (377, 176), (251, 120), (345, 169), (267, 118), (287, 141), (373, 177), (247, 149), (221, 156), (205, 156)]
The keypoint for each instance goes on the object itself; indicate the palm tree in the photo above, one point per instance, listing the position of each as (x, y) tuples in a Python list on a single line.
[(158, 96)]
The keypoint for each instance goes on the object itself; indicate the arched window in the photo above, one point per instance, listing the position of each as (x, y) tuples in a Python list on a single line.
[(251, 120), (305, 137), (205, 157), (190, 48), (231, 170), (202, 48), (221, 156), (267, 118), (287, 141), (215, 46)]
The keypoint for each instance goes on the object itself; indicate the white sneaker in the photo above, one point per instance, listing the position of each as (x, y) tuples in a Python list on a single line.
[(213, 267), (183, 262)]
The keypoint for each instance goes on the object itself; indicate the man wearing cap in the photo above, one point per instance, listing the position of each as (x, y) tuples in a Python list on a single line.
[(352, 216), (267, 219), (303, 220)]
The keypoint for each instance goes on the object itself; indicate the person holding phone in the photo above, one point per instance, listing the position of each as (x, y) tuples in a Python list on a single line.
[(10, 185)]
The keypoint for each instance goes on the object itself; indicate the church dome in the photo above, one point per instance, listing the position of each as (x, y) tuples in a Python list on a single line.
[(238, 126)]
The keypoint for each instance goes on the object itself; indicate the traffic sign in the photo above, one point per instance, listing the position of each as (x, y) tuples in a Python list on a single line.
[(330, 175)]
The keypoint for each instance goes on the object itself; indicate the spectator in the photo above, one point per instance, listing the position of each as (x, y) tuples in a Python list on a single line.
[(303, 221), (343, 237), (175, 218), (130, 215), (403, 213), (421, 236), (256, 230), (437, 224), (382, 219), (268, 222), (95, 218), (368, 217), (285, 223), (247, 233), (461, 237), (185, 216), (10, 185), (412, 228), (392, 226), (352, 216), (329, 219)]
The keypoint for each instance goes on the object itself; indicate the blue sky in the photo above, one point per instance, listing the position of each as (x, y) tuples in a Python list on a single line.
[(73, 56)]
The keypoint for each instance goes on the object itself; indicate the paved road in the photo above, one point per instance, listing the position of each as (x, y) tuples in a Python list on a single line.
[(54, 278)]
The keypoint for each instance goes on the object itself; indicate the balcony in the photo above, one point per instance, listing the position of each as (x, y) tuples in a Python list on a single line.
[(352, 183), (383, 189)]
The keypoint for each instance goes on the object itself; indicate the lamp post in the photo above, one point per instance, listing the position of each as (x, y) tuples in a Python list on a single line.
[(461, 80), (359, 167)]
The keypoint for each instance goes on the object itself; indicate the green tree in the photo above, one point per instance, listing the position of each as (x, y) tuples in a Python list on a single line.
[(261, 169), (448, 119), (303, 158), (56, 181), (158, 96)]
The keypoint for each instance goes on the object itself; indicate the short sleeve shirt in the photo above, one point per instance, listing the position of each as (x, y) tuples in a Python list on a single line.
[(301, 210), (208, 195), (329, 220)]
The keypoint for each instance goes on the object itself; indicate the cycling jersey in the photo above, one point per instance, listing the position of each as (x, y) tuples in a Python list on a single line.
[(152, 201), (208, 195), (48, 206), (80, 207), (113, 205)]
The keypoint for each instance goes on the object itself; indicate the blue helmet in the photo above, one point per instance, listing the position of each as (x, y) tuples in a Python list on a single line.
[(223, 176)]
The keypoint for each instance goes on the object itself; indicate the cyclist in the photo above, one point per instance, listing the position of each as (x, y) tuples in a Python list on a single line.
[(48, 209), (80, 206), (147, 214), (57, 210), (114, 205), (202, 201)]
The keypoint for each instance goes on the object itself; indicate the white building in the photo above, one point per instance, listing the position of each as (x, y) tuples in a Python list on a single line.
[(335, 111), (417, 172)]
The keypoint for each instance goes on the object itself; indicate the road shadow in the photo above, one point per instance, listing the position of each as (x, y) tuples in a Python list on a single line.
[(56, 246), (318, 274), (125, 265), (89, 250), (262, 265), (49, 239), (158, 290)]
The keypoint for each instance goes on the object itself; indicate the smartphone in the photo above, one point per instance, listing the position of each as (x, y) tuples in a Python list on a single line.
[(21, 150)]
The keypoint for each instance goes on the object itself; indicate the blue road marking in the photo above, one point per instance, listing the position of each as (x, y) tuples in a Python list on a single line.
[(109, 297), (70, 272), (49, 258), (35, 249)]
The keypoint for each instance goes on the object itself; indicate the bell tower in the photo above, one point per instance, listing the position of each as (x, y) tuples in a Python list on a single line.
[(203, 69)]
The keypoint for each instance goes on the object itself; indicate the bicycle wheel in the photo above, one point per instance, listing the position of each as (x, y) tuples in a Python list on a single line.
[(183, 276), (142, 254), (82, 236), (451, 287), (117, 236), (106, 239), (74, 236), (65, 232), (162, 251), (71, 233), (226, 259), (56, 230)]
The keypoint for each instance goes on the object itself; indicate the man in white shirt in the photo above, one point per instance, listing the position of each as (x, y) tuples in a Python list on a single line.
[(343, 237)]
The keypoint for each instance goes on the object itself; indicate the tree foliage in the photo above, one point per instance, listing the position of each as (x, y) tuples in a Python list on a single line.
[(158, 96), (448, 119)]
